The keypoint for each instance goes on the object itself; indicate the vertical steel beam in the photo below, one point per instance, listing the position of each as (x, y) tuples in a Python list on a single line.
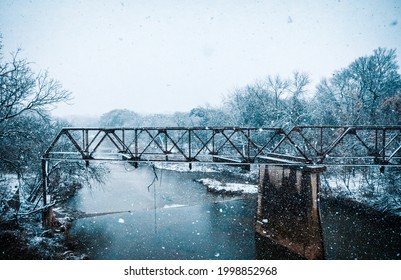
[(45, 165), (321, 140), (249, 145), (45, 182), (189, 148), (123, 139), (376, 145), (136, 143), (384, 145)]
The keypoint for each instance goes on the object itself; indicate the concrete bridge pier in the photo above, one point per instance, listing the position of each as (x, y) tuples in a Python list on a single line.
[(288, 218)]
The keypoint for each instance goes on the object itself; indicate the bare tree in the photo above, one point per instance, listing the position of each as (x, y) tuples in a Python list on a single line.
[(377, 78), (21, 90), (25, 101), (297, 105), (355, 94), (391, 109), (26, 130), (274, 101), (277, 87)]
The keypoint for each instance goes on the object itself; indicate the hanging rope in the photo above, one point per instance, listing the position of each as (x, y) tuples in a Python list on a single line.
[(154, 203), (155, 178)]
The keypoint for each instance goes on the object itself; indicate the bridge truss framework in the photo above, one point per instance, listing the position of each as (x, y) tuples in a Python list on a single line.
[(309, 146), (314, 145)]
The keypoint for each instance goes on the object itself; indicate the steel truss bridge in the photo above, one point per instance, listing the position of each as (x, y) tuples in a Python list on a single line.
[(301, 145)]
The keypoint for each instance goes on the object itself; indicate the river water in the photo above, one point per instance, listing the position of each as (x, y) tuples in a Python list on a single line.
[(174, 218), (177, 218)]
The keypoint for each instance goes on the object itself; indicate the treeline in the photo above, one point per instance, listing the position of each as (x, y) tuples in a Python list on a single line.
[(366, 92)]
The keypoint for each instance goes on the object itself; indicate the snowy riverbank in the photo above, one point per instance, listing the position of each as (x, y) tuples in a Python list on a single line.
[(234, 179), (356, 189)]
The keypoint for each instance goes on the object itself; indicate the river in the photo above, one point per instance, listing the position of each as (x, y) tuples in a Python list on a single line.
[(174, 218), (177, 218)]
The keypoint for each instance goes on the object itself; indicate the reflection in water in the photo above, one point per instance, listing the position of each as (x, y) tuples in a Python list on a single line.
[(346, 231), (267, 249), (288, 213), (352, 232)]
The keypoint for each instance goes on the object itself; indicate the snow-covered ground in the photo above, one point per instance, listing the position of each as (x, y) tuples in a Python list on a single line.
[(22, 234), (223, 187), (180, 167), (355, 189), (219, 186)]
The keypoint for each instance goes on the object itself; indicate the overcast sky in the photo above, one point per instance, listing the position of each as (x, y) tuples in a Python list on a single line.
[(166, 56)]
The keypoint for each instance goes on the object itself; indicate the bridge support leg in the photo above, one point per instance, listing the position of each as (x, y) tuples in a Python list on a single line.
[(288, 218), (46, 213)]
